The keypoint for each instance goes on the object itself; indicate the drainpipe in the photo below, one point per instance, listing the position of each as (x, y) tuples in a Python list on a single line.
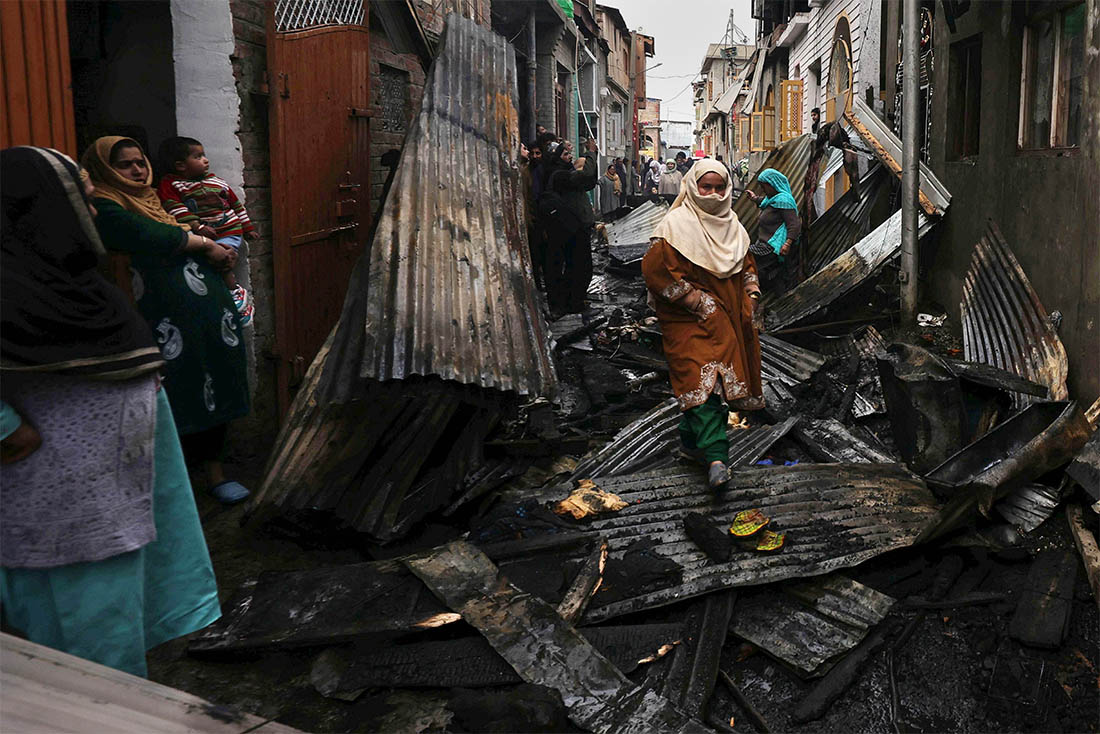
[(910, 160), (532, 69)]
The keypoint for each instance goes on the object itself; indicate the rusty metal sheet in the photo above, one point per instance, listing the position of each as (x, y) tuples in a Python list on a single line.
[(1005, 324), (809, 625), (1028, 506), (541, 647), (835, 515), (841, 275), (628, 238), (791, 158), (844, 223), (1085, 467), (650, 442), (934, 197), (449, 285)]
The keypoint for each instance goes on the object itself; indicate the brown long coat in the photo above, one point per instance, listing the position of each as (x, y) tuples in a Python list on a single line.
[(715, 349)]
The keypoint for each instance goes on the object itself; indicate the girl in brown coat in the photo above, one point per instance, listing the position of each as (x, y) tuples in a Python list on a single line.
[(703, 284)]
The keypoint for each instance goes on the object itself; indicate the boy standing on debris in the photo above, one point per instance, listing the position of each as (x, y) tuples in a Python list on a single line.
[(703, 284)]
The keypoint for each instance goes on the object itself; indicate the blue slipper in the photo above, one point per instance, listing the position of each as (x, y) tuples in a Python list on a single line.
[(229, 492)]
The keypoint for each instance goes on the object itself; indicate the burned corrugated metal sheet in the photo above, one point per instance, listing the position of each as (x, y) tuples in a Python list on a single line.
[(541, 647), (934, 197), (791, 159), (841, 275), (844, 223), (628, 238), (650, 442), (1026, 446), (808, 625), (445, 293), (1005, 324), (785, 362), (450, 289), (1027, 507), (829, 440), (835, 515)]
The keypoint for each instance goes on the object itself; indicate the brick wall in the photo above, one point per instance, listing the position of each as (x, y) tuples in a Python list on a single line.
[(397, 81), (249, 67)]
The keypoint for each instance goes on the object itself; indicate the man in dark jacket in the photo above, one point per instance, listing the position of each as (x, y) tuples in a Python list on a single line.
[(567, 217)]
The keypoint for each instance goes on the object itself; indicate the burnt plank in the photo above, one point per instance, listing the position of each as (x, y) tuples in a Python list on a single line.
[(471, 662), (1043, 612), (541, 647)]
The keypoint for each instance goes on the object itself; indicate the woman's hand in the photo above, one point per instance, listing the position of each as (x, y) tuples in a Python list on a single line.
[(22, 442), (207, 231), (218, 255), (752, 195), (692, 300), (785, 248)]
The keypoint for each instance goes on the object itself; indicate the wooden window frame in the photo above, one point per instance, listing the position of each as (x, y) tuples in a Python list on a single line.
[(1058, 111), (960, 60)]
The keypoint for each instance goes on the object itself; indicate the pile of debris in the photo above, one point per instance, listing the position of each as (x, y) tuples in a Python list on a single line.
[(589, 577)]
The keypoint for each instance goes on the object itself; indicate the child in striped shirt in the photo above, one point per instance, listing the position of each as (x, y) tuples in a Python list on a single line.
[(198, 198)]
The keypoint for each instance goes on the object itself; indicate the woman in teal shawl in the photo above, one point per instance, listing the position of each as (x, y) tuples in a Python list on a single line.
[(778, 231)]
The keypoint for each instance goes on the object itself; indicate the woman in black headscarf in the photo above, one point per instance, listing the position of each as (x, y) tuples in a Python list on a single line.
[(101, 551)]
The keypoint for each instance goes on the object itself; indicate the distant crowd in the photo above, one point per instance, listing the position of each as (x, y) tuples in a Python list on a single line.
[(560, 216)]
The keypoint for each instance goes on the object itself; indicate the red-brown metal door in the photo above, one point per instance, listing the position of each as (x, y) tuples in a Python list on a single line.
[(319, 69), (36, 97)]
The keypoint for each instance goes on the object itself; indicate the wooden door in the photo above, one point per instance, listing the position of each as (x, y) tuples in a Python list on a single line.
[(319, 70), (36, 98)]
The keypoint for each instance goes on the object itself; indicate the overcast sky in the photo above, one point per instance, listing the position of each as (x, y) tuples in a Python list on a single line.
[(681, 30)]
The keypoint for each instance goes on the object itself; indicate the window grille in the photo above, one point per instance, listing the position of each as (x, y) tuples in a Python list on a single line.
[(298, 15)]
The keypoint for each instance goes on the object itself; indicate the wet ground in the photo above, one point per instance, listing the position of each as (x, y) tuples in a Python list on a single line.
[(959, 671)]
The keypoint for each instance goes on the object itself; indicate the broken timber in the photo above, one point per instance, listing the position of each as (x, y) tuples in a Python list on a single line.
[(541, 647), (934, 198), (471, 662)]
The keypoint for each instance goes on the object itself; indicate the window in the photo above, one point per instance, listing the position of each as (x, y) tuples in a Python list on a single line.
[(964, 98), (790, 106), (1052, 80)]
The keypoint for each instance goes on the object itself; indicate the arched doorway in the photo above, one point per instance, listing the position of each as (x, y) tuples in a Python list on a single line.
[(839, 98)]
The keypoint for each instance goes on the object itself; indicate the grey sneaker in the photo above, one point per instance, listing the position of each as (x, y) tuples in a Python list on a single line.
[(718, 475)]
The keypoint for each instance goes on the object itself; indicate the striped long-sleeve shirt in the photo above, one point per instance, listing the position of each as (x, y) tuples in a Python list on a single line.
[(208, 201)]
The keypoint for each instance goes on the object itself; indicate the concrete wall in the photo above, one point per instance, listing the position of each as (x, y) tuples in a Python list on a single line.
[(1045, 203), (208, 109), (249, 65)]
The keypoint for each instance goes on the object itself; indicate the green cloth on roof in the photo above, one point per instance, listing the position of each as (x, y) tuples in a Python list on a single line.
[(567, 7), (192, 316)]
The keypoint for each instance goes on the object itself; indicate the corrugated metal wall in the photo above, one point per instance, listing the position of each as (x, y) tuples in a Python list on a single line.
[(450, 289)]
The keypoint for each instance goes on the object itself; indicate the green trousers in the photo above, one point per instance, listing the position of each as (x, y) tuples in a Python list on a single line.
[(704, 428)]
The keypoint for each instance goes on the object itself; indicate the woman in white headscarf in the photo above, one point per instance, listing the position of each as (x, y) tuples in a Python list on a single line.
[(670, 181), (703, 280)]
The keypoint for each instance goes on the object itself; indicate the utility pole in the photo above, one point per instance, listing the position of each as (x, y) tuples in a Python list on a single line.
[(532, 69), (633, 119), (910, 160)]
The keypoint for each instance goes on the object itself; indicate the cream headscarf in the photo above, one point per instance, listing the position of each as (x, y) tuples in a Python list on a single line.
[(139, 198), (704, 229)]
